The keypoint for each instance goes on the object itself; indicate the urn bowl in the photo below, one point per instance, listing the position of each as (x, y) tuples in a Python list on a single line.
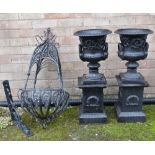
[(133, 46), (93, 46)]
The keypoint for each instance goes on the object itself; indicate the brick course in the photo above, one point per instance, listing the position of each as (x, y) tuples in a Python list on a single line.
[(17, 42)]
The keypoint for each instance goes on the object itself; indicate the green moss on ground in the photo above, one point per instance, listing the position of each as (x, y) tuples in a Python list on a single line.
[(66, 127)]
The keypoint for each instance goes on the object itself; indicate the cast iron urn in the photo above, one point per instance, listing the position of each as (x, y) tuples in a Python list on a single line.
[(92, 48), (133, 47)]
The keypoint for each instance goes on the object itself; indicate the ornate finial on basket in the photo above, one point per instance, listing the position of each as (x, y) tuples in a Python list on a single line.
[(47, 37), (48, 31), (48, 34)]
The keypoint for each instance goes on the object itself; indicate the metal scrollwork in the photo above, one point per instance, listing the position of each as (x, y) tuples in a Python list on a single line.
[(135, 43), (138, 43), (92, 101), (44, 104), (132, 100), (96, 44)]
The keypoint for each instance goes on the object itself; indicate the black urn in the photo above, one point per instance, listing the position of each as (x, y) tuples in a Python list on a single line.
[(133, 47), (93, 48)]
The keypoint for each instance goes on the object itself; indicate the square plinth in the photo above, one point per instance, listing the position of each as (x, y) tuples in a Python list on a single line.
[(92, 108), (129, 106)]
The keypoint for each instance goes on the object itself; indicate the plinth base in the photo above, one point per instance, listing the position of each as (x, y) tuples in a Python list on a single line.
[(92, 117), (129, 117)]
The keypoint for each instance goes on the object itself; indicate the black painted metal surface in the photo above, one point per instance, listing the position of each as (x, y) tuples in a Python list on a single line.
[(92, 48), (133, 47), (12, 108), (37, 102)]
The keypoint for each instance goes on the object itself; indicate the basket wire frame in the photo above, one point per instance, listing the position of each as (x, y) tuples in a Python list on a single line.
[(44, 104)]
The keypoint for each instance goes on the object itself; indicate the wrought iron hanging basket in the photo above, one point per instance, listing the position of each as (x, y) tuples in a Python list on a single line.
[(44, 104)]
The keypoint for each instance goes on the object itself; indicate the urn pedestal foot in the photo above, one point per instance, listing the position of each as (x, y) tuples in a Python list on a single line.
[(87, 81)]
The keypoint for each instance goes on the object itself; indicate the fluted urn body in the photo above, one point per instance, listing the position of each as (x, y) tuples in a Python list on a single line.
[(133, 47), (93, 48)]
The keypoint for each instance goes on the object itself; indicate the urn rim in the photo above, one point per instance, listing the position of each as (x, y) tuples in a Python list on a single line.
[(92, 32), (133, 31)]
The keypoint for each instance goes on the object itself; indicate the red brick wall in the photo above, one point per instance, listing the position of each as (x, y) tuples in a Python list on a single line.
[(17, 42)]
